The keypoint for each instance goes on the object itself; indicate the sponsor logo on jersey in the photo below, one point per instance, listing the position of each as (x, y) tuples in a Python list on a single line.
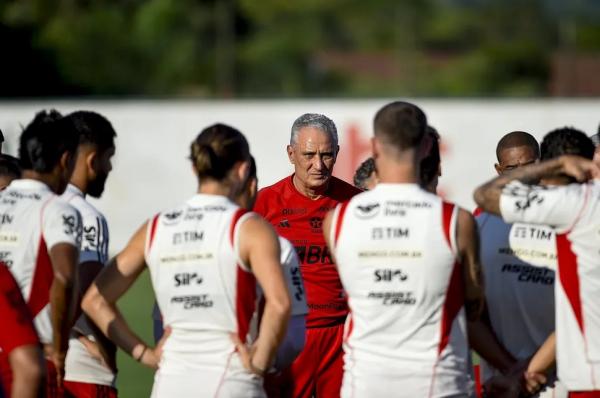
[(187, 278), (284, 224), (6, 218), (389, 275), (70, 224), (325, 209), (313, 254), (193, 213), (172, 217), (528, 195), (394, 298), (389, 254), (527, 232), (171, 258), (9, 238), (367, 211), (316, 224), (530, 274), (193, 301), (293, 211), (298, 291), (327, 306), (525, 253), (187, 236), (382, 233), (5, 258), (90, 236)]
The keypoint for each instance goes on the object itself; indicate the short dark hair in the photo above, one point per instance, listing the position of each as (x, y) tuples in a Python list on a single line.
[(364, 171), (430, 164), (567, 141), (216, 149), (9, 166), (516, 139), (45, 140), (400, 124), (93, 129)]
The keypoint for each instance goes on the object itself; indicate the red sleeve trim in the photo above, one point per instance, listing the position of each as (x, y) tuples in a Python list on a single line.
[(153, 230), (338, 224), (236, 217), (447, 210)]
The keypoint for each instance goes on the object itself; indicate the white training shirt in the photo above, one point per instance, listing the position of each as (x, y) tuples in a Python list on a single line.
[(574, 212), (32, 221), (203, 290), (395, 250), (519, 264), (293, 277), (80, 366)]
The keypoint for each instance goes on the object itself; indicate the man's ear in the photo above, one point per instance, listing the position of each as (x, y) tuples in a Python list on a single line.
[(290, 152), (375, 147), (243, 171), (498, 168), (65, 158), (90, 163), (337, 151)]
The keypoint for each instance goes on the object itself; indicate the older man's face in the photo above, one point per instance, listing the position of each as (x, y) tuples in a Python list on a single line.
[(313, 156)]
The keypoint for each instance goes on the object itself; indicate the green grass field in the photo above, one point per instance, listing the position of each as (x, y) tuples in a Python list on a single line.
[(135, 380)]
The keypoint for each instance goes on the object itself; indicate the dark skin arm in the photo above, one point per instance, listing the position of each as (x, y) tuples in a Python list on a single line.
[(488, 195), (103, 349), (63, 300)]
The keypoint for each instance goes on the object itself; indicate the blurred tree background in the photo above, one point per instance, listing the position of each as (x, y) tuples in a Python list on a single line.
[(281, 48)]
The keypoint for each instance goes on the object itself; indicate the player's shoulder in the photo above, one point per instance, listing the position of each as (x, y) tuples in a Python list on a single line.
[(85, 208), (341, 190), (57, 205), (274, 189)]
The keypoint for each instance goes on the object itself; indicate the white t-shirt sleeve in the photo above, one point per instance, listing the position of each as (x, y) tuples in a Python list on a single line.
[(293, 277), (61, 224), (557, 207), (94, 239)]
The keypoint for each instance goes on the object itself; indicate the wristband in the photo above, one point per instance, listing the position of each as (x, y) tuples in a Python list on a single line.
[(139, 358)]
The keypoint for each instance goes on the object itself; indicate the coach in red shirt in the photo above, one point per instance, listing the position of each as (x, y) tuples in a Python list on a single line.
[(295, 206)]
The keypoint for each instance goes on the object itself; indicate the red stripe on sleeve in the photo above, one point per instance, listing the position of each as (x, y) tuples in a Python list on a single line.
[(569, 277), (43, 276), (153, 230), (455, 298), (477, 211), (447, 209), (236, 217), (245, 301), (338, 224)]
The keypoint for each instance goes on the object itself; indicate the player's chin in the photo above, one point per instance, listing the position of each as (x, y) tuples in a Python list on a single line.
[(318, 180)]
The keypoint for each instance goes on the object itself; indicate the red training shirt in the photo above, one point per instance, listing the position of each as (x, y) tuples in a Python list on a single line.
[(300, 219)]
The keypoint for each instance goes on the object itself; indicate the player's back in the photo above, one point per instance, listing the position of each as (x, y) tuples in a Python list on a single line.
[(396, 254), (202, 292), (519, 264), (32, 220)]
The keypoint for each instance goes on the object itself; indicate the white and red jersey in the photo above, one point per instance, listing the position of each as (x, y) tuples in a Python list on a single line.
[(395, 248), (519, 264), (32, 220), (292, 275), (204, 292), (574, 213), (80, 366)]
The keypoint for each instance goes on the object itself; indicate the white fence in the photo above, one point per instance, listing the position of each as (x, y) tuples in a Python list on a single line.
[(151, 170)]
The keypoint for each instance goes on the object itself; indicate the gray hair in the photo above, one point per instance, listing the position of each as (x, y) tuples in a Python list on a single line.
[(315, 120)]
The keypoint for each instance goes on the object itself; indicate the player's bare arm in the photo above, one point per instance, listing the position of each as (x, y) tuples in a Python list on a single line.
[(99, 302), (259, 247), (487, 196), (63, 299), (327, 233), (541, 363), (102, 349)]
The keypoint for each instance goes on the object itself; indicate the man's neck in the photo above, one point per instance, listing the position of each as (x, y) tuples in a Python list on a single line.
[(81, 184), (311, 193), (50, 180), (389, 172)]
